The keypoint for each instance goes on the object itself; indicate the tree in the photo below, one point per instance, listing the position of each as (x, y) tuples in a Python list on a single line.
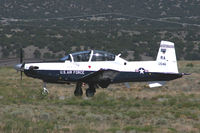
[(47, 55), (37, 54)]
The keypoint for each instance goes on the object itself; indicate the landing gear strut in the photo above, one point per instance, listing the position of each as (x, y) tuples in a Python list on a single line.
[(45, 90), (78, 91), (91, 90)]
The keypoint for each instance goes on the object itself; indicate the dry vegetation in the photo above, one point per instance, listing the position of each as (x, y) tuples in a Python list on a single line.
[(172, 108)]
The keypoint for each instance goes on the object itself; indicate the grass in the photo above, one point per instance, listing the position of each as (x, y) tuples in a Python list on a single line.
[(172, 108)]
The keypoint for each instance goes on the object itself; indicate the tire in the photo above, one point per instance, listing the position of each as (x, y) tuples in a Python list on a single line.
[(78, 92), (90, 92)]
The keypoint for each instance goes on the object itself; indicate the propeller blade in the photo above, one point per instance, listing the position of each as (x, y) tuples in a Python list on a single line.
[(21, 56), (21, 75), (21, 62)]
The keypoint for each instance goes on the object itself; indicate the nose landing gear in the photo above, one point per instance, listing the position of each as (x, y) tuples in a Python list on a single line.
[(45, 90)]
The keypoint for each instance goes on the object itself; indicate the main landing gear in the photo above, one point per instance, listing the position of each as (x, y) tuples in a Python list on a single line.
[(78, 91), (89, 92)]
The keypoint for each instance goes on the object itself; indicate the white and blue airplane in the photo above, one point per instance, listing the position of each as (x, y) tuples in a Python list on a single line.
[(100, 68)]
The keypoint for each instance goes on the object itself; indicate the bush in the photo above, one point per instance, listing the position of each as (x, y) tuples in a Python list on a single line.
[(37, 54), (189, 65)]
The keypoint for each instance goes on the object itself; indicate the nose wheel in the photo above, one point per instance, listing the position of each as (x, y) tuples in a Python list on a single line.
[(45, 90)]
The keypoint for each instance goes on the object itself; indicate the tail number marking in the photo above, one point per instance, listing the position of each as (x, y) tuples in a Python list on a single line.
[(162, 64)]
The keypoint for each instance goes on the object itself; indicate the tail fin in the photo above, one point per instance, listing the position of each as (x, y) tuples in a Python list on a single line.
[(166, 57)]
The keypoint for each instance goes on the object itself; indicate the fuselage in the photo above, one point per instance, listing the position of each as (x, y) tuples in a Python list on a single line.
[(66, 72)]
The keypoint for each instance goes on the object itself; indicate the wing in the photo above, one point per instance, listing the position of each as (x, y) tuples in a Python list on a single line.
[(103, 77)]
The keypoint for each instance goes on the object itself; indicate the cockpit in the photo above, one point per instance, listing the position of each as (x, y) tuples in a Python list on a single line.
[(90, 55)]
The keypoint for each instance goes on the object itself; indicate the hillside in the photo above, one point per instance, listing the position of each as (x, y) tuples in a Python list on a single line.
[(50, 29)]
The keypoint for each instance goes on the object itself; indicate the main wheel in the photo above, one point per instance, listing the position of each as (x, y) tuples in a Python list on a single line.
[(78, 92), (90, 92)]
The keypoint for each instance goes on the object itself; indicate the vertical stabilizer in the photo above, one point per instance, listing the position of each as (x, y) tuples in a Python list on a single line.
[(166, 57)]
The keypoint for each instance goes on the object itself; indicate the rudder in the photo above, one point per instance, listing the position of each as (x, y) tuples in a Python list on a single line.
[(166, 57)]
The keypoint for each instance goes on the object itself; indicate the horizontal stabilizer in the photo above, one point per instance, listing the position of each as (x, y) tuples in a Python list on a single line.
[(156, 84)]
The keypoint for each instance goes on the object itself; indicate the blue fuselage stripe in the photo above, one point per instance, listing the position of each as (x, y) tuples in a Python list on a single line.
[(57, 76)]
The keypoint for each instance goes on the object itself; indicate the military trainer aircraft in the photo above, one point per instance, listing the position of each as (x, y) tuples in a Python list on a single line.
[(98, 68)]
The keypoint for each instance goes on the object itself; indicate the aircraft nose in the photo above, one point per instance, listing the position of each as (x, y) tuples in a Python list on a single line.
[(18, 67)]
